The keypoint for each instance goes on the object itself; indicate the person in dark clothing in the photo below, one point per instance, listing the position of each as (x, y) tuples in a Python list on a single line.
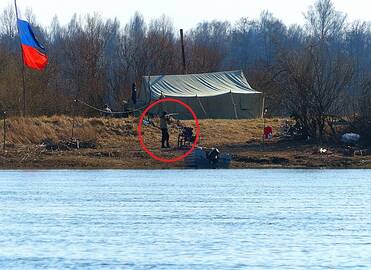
[(213, 156), (134, 93), (164, 121), (107, 110)]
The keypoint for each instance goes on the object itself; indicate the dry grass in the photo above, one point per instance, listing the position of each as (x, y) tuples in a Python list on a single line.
[(26, 131), (35, 130), (118, 144), (217, 132)]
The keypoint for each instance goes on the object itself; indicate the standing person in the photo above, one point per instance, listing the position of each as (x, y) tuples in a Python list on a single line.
[(124, 108), (161, 105), (134, 93), (164, 121), (107, 110)]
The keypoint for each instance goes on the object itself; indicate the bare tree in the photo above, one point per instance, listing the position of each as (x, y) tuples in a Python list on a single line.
[(134, 47), (161, 47), (8, 22), (97, 60), (209, 43), (313, 83), (362, 119), (323, 21)]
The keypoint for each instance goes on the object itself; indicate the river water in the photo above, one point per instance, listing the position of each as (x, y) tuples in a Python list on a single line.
[(233, 219)]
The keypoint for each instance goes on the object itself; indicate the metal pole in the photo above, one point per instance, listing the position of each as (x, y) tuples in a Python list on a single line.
[(23, 71), (202, 106), (73, 119), (4, 131), (183, 51), (73, 126), (16, 9), (234, 106), (150, 89), (264, 111), (263, 126), (24, 89)]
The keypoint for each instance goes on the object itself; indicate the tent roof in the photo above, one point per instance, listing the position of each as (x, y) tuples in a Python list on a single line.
[(202, 85)]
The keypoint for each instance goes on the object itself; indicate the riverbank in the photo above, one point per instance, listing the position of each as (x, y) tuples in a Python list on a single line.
[(40, 143)]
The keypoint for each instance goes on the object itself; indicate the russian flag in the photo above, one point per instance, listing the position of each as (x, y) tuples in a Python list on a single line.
[(34, 54)]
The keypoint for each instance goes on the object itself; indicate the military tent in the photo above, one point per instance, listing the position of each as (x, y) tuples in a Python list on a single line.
[(220, 95)]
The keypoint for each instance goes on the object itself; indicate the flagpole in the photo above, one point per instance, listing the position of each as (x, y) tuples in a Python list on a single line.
[(23, 69)]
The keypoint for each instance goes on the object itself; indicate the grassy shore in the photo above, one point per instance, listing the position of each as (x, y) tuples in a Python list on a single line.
[(117, 145)]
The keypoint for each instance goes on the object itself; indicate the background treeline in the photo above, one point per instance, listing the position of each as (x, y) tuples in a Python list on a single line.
[(311, 71)]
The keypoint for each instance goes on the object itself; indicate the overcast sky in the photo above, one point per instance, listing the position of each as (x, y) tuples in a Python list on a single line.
[(187, 13)]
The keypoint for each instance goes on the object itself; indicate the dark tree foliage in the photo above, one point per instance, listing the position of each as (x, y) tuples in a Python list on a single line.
[(326, 61)]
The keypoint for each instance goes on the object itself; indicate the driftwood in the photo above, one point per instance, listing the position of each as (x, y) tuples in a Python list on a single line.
[(68, 145)]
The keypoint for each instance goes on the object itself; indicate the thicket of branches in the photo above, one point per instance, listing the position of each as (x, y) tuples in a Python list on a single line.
[(311, 71)]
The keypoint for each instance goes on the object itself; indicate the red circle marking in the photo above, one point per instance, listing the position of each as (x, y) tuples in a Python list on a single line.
[(141, 140)]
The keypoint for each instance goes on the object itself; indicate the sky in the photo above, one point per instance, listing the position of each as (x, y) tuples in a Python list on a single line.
[(185, 14)]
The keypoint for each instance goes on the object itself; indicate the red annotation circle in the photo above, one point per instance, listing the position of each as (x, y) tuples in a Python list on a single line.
[(141, 140)]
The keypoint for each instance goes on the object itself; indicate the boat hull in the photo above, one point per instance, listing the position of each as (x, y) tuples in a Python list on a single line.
[(198, 160)]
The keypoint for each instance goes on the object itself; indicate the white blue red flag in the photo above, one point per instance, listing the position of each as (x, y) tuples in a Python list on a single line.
[(34, 54)]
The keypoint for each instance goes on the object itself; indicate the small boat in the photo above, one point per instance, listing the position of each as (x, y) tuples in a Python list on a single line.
[(202, 158)]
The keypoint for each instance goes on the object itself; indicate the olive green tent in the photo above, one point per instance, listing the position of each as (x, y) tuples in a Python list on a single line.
[(220, 95)]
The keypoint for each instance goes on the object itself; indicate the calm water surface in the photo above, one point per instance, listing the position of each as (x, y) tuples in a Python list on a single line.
[(252, 219)]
